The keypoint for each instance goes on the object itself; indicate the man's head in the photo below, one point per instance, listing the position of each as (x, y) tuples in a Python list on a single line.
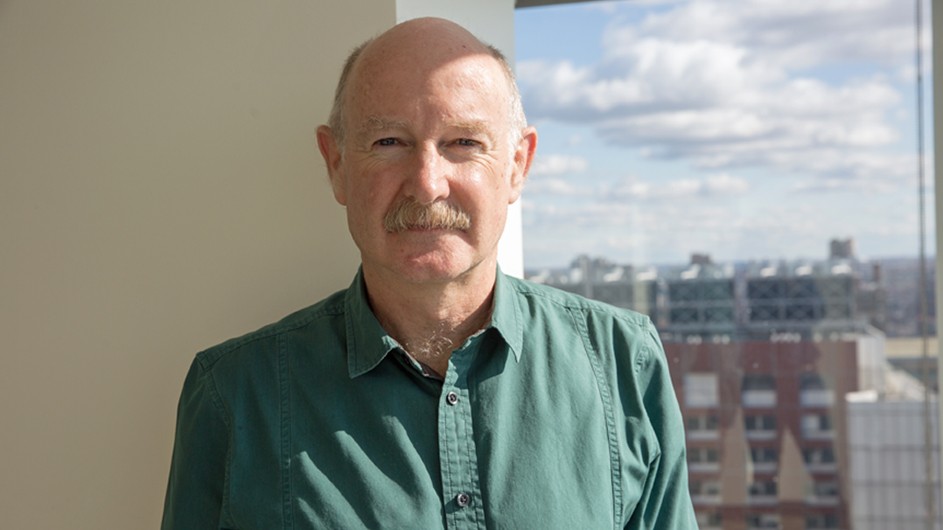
[(427, 146)]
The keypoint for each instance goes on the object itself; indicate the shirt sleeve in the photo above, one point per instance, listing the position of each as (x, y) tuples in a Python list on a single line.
[(666, 500), (198, 469)]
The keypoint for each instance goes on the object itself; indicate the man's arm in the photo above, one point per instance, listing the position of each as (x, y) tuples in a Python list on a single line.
[(198, 470), (666, 501)]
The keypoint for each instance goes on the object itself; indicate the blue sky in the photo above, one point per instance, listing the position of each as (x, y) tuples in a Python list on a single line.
[(755, 129)]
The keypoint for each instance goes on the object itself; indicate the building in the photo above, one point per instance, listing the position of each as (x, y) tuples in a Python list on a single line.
[(768, 443), (817, 299), (894, 458)]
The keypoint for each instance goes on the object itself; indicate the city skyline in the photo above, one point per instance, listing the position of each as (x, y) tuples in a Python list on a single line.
[(670, 128)]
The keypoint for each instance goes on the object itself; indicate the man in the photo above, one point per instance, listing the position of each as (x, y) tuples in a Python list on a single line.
[(435, 391)]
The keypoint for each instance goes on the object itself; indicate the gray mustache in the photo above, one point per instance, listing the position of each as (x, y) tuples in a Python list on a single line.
[(409, 214)]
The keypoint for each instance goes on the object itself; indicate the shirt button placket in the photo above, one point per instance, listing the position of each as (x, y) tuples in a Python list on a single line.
[(457, 456)]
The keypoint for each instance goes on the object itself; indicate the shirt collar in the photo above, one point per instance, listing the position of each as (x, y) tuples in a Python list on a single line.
[(368, 343), (506, 317)]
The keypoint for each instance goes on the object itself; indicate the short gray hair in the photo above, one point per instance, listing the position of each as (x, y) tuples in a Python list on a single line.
[(336, 120)]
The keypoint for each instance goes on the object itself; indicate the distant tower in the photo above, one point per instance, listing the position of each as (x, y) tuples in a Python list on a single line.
[(841, 248), (699, 258)]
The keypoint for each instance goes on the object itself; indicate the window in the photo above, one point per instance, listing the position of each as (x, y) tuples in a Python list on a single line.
[(765, 488), (758, 184), (764, 455), (700, 390), (758, 390), (766, 521), (704, 488), (702, 427), (762, 492), (812, 381), (814, 391), (816, 426), (701, 454), (703, 459), (759, 382), (706, 422), (707, 519), (824, 489), (821, 522), (759, 423), (818, 456)]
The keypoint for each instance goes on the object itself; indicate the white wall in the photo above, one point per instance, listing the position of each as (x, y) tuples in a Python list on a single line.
[(160, 191)]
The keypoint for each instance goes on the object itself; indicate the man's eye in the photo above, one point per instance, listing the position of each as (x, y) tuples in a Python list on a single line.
[(386, 142), (467, 142)]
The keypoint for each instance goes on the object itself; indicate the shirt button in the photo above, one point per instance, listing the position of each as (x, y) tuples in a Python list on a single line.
[(462, 499), (451, 398)]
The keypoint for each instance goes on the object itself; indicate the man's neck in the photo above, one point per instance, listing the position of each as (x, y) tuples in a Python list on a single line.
[(431, 319)]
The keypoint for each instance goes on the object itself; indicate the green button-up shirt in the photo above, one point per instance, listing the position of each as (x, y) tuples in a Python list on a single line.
[(560, 414)]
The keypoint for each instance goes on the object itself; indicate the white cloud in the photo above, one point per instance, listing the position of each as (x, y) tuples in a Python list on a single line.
[(624, 191), (726, 86), (558, 165), (555, 187), (793, 34), (726, 184)]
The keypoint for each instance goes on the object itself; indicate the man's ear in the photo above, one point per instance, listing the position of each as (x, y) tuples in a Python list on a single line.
[(331, 152), (523, 157)]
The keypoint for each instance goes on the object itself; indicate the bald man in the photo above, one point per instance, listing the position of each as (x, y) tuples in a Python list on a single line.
[(435, 391)]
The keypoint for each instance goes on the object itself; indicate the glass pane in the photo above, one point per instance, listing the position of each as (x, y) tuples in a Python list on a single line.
[(745, 174)]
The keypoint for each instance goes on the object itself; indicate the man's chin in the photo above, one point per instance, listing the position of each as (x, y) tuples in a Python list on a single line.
[(434, 269)]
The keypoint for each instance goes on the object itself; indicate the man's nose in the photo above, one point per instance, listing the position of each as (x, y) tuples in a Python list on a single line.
[(429, 179)]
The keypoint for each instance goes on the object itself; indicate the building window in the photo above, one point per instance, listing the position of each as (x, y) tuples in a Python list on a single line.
[(759, 390), (700, 390), (705, 491), (703, 455), (702, 427), (764, 455), (811, 381), (814, 391), (760, 426), (763, 521), (816, 426), (703, 459), (709, 519), (820, 521), (819, 457), (824, 492), (763, 489)]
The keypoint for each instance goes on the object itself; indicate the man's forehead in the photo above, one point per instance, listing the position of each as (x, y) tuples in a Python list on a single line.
[(395, 72)]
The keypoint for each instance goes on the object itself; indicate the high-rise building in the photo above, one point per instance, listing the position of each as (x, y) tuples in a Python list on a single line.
[(893, 464)]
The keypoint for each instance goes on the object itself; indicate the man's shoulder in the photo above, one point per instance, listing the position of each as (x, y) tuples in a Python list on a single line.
[(263, 338), (544, 296)]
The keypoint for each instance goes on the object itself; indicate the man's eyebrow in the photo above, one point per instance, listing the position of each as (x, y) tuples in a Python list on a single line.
[(373, 124), (378, 123), (475, 126)]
